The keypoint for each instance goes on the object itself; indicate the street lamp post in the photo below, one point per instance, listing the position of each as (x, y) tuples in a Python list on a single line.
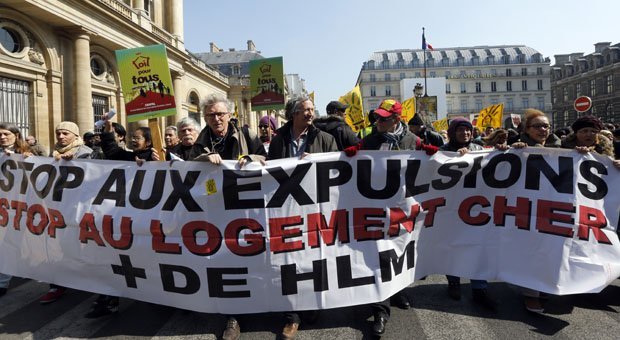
[(418, 91)]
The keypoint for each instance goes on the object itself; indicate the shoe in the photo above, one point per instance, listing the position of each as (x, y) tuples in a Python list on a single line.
[(52, 295), (2, 291), (401, 301), (232, 331), (311, 316), (533, 304), (290, 330), (378, 325), (454, 290), (481, 298), (103, 306)]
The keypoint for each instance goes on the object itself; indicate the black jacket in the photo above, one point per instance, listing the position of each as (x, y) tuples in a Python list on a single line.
[(113, 152), (318, 141), (336, 126), (239, 142)]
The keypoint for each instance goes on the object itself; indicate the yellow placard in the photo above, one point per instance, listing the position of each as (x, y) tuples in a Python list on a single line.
[(211, 187), (491, 116)]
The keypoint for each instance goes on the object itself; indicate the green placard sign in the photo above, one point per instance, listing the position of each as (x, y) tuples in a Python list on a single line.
[(267, 84), (146, 83)]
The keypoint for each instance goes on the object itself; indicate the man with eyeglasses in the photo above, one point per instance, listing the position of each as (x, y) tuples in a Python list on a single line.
[(335, 125), (221, 139), (297, 138)]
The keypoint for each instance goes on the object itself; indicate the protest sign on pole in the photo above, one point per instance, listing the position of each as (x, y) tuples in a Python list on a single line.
[(267, 84), (146, 83)]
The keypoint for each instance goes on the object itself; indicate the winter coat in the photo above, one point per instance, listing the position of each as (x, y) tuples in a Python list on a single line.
[(114, 152), (317, 142), (336, 126), (240, 142), (603, 147), (408, 141)]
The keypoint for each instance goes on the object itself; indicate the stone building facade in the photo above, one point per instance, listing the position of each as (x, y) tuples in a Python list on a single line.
[(57, 60), (476, 77), (596, 75)]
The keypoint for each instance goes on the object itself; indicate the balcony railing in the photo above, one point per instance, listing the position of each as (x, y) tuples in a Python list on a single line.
[(119, 7)]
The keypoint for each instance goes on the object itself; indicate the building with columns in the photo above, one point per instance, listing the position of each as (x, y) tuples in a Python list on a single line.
[(475, 77), (57, 60), (596, 75)]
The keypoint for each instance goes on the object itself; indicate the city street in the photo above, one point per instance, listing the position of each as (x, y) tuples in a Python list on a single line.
[(433, 316)]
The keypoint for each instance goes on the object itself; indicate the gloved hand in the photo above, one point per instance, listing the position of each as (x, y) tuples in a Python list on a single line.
[(351, 150), (430, 149)]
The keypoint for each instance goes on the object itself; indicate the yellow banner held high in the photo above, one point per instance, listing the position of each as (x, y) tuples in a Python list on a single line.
[(441, 124), (354, 116), (408, 110), (491, 116)]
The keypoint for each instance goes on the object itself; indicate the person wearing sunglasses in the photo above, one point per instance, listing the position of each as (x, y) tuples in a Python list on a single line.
[(537, 131), (389, 133)]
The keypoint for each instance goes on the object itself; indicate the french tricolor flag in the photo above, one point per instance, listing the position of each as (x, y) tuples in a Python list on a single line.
[(426, 45)]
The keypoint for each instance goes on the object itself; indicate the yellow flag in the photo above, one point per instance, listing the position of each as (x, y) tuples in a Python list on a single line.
[(354, 116), (236, 113), (311, 95), (408, 109), (441, 124), (491, 116)]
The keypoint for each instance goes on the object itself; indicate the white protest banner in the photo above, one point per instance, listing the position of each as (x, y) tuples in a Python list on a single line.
[(323, 232)]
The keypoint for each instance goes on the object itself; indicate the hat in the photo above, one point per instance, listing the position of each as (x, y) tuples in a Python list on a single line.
[(388, 108), (268, 120), (69, 126), (416, 120), (455, 123), (88, 135), (334, 106), (587, 121)]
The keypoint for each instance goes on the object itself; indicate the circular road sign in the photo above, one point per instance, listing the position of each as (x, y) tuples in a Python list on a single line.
[(583, 104)]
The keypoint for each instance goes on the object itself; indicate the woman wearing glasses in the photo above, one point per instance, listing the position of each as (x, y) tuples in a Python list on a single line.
[(537, 132), (141, 142)]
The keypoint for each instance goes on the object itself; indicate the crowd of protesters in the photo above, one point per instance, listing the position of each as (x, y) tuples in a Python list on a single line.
[(303, 134)]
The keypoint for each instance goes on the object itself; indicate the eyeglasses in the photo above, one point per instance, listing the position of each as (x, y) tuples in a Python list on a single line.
[(214, 114), (540, 126), (384, 119)]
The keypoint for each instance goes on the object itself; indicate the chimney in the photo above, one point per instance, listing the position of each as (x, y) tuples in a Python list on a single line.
[(575, 56), (213, 48), (251, 46), (599, 47), (561, 59)]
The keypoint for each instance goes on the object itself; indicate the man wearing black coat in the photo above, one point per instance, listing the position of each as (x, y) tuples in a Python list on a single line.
[(335, 125)]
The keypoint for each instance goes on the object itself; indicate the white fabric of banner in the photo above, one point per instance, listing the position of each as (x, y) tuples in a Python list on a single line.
[(323, 232)]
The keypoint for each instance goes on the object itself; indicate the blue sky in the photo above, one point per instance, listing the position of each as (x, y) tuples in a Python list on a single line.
[(326, 42)]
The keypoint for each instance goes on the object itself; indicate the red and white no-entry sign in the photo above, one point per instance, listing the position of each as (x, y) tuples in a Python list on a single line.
[(583, 104)]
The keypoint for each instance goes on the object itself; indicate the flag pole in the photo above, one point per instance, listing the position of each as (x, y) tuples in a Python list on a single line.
[(424, 51)]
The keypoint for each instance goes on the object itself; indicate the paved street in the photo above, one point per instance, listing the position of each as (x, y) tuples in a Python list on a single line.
[(434, 316)]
